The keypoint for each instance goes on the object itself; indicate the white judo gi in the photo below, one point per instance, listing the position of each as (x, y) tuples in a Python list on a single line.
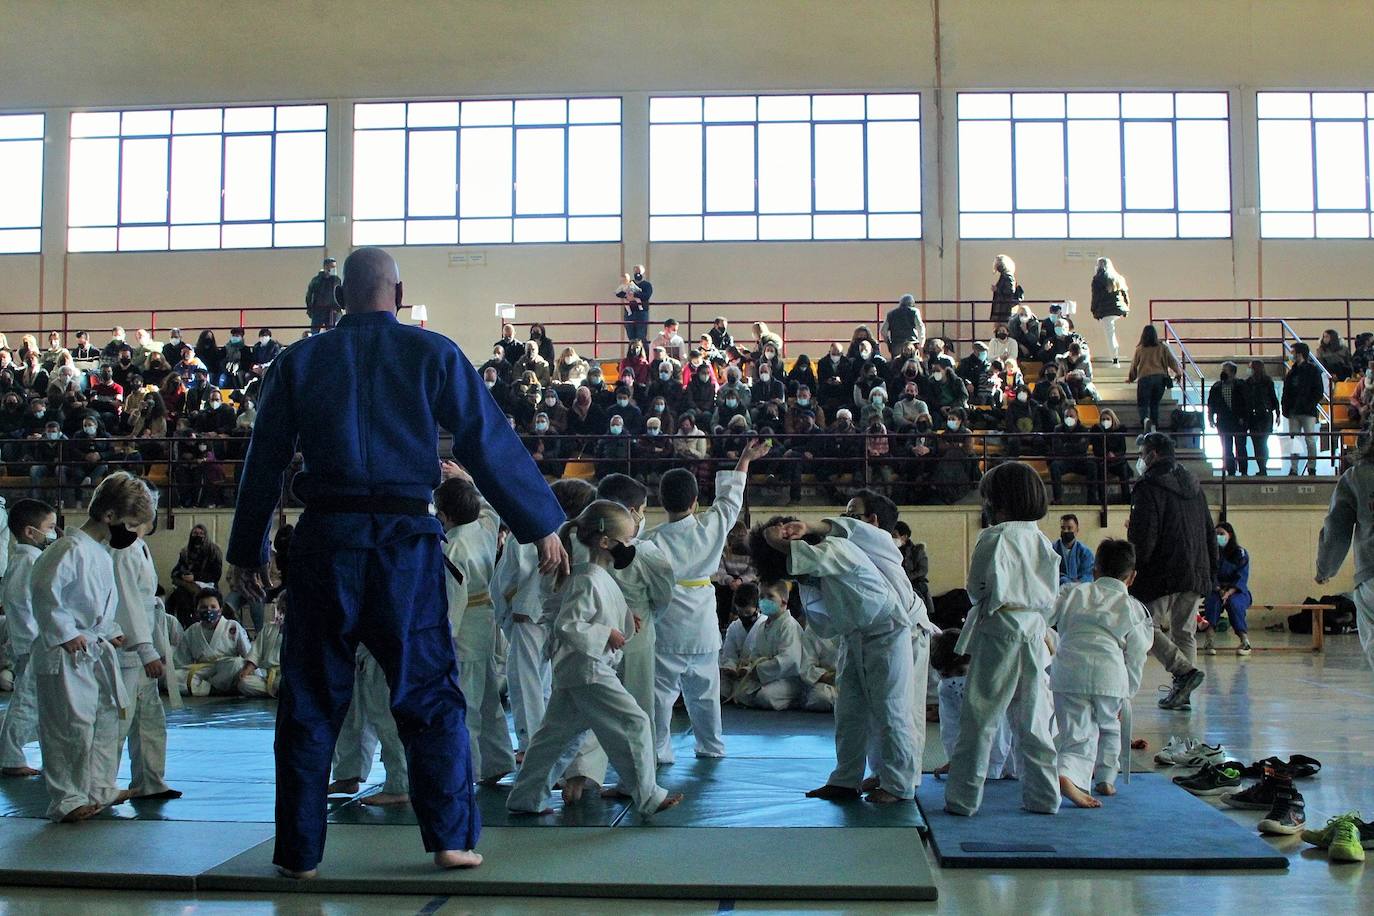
[(21, 718), (820, 656), (687, 659), (732, 653), (773, 654), (844, 594), (1013, 581), (1104, 638), (373, 698), (223, 648), (1002, 762), (265, 656), (81, 694), (647, 586), (587, 695), (471, 549), (515, 597), (144, 725)]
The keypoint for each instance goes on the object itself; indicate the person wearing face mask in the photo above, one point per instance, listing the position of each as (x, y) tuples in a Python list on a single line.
[(534, 362), (613, 451), (744, 617), (652, 451), (875, 407), (554, 411), (216, 419), (944, 388), (669, 340), (632, 418), (975, 370), (1070, 450), (667, 384), (1231, 592), (322, 297), (264, 352), (171, 351), (801, 374), (734, 387), (1001, 347), (1075, 557), (1229, 414), (636, 363), (843, 450), (50, 471), (504, 367), (548, 451), (733, 403), (571, 369), (32, 527), (804, 403), (91, 447), (955, 470), (233, 359), (768, 675), (200, 564), (767, 385), (1109, 443), (212, 649)]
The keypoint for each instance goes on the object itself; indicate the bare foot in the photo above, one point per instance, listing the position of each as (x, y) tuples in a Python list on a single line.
[(20, 771), (385, 798), (869, 784), (492, 780), (1105, 788), (883, 797), (122, 797), (669, 802), (574, 787), (345, 787), (1076, 795), (298, 875), (614, 792), (457, 858), (519, 758), (1140, 744), (834, 793), (76, 815), (941, 770), (165, 793)]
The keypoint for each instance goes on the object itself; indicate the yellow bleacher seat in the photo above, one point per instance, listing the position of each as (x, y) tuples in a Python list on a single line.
[(788, 363), (1089, 414), (1345, 389), (1341, 418), (610, 371), (582, 470), (157, 475)]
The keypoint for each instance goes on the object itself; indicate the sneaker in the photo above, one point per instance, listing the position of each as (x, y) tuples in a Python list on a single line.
[(1184, 685), (1212, 779), (1168, 754), (1322, 838), (1202, 755), (1244, 648), (1208, 646), (1287, 815), (1259, 797), (1348, 841)]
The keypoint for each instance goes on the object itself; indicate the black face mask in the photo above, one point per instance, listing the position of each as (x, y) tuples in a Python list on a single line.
[(121, 536), (623, 555), (748, 622), (1067, 537)]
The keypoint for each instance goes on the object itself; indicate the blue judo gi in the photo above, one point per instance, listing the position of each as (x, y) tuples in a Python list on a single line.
[(363, 403)]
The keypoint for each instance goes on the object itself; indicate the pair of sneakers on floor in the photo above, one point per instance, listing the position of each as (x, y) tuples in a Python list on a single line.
[(1209, 645)]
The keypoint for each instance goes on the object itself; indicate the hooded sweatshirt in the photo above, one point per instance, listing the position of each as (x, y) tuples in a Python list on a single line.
[(1351, 517), (1171, 528)]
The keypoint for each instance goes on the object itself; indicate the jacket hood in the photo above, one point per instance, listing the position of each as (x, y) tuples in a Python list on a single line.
[(1172, 476)]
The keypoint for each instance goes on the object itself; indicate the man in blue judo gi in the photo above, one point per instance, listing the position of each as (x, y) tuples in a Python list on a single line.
[(363, 403)]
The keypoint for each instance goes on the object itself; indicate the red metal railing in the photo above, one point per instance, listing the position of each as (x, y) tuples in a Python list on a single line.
[(600, 326), (99, 321), (1308, 316)]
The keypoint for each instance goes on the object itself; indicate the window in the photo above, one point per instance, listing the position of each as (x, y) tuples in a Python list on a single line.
[(486, 172), (1314, 164), (1105, 165), (21, 191), (193, 178), (774, 167)]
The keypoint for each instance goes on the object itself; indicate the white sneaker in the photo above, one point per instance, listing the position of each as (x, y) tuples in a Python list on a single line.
[(1209, 644), (1176, 747), (1244, 648), (1200, 755)]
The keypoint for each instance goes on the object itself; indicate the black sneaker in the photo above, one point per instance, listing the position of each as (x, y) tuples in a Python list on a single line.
[(1260, 796), (1288, 814), (1212, 779), (1184, 685)]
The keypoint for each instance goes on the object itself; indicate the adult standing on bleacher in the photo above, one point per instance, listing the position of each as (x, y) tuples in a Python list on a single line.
[(1111, 302), (1303, 390), (903, 325), (1006, 292), (320, 302), (1229, 412)]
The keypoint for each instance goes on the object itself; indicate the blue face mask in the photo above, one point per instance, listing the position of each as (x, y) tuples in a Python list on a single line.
[(769, 608)]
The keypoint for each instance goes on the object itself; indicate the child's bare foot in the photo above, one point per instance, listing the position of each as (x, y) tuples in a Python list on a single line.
[(932, 713), (1076, 795), (614, 792), (298, 875), (492, 780), (1105, 788), (345, 787), (834, 793), (1140, 744), (883, 797), (669, 802), (76, 815), (869, 784), (123, 796), (20, 771), (941, 770), (385, 798), (574, 787), (164, 794), (457, 858)]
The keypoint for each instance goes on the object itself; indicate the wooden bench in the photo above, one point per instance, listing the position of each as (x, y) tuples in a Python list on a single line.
[(1318, 630)]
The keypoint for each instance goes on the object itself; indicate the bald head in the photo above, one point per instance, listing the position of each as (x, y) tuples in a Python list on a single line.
[(371, 281)]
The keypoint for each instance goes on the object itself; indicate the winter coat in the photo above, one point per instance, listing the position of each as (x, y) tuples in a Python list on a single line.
[(1171, 528), (1236, 417), (1303, 390), (1108, 302)]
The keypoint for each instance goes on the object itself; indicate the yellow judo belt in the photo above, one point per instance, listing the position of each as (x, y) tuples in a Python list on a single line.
[(694, 583), (479, 599)]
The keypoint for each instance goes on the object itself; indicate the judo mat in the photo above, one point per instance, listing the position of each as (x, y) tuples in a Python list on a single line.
[(1149, 824)]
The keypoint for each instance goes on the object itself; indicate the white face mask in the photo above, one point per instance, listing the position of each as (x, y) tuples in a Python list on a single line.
[(1022, 397), (1070, 422), (654, 430), (490, 383), (1140, 466), (1107, 424)]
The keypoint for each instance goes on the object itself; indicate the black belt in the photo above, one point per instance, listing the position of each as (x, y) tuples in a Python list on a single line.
[(368, 505)]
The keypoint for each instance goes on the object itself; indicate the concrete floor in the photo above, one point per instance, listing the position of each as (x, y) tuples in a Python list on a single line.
[(1270, 703)]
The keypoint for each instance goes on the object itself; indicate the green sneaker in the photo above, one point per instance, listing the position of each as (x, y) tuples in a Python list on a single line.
[(1344, 845), (1322, 838)]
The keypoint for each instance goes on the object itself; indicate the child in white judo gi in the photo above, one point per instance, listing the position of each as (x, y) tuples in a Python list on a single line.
[(1104, 637), (688, 634), (952, 669), (820, 661), (33, 526), (1013, 581), (590, 630), (213, 649), (844, 594), (261, 673), (769, 674), (143, 660), (470, 529), (745, 601), (647, 586), (80, 690)]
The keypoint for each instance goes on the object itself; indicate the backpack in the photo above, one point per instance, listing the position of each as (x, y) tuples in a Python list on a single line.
[(1335, 622)]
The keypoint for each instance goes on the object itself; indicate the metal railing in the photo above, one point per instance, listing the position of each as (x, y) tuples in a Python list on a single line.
[(1311, 315), (1190, 366), (97, 322)]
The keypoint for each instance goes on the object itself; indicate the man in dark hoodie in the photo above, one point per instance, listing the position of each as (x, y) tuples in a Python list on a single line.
[(1176, 550)]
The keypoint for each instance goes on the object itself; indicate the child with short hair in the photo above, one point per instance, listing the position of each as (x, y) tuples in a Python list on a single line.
[(1013, 581), (33, 527), (1104, 637), (80, 691), (952, 669), (769, 676), (213, 649), (586, 639), (745, 611)]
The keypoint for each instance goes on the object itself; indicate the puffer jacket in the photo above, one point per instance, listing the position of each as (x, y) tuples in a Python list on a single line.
[(1171, 528), (1107, 301)]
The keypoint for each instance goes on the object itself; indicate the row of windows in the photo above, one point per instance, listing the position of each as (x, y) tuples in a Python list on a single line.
[(1047, 165)]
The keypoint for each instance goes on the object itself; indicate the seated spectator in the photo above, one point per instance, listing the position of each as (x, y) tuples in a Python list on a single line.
[(613, 451), (83, 351), (124, 368), (636, 363), (586, 420), (1335, 356), (212, 650), (48, 473), (1110, 442), (1001, 347), (500, 390), (974, 368), (216, 419), (524, 409), (660, 409), (767, 385), (802, 404), (721, 338), (542, 342), (117, 343), (1070, 452), (504, 368), (860, 336), (844, 449), (769, 414), (547, 450), (955, 471), (639, 396), (836, 383), (878, 452), (32, 377), (692, 447), (157, 371), (875, 407), (696, 361), (869, 379), (511, 349), (236, 359), (1025, 328), (763, 338), (653, 451), (670, 340), (188, 363), (571, 369), (1075, 557), (602, 396), (210, 354), (945, 390), (171, 351), (553, 409), (628, 412), (743, 615), (731, 406), (707, 348), (908, 409), (770, 356), (1362, 352), (734, 387), (801, 374), (733, 437), (1076, 371), (915, 562), (801, 449), (199, 479), (532, 361), (1362, 399), (264, 352), (1232, 591), (668, 386), (659, 360), (200, 564), (55, 349), (1012, 378)]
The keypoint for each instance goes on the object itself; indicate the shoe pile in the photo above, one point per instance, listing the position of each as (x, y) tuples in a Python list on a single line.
[(1345, 838), (1275, 793), (1183, 687)]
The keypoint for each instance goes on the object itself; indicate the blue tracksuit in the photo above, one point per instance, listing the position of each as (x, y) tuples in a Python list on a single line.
[(1231, 573), (1075, 563), (362, 404)]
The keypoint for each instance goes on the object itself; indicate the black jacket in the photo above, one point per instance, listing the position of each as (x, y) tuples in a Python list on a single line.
[(1262, 403), (1005, 294), (1303, 390), (319, 295), (1171, 528), (1107, 301), (1236, 417)]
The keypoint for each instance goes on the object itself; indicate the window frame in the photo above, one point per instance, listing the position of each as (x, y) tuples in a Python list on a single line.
[(41, 140), (566, 125), (812, 123), (224, 136), (1121, 121), (1317, 210)]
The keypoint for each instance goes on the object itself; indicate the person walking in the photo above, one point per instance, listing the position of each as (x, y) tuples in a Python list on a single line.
[(1153, 369), (1229, 412), (1111, 302), (321, 303), (1350, 520), (367, 564), (1176, 560)]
